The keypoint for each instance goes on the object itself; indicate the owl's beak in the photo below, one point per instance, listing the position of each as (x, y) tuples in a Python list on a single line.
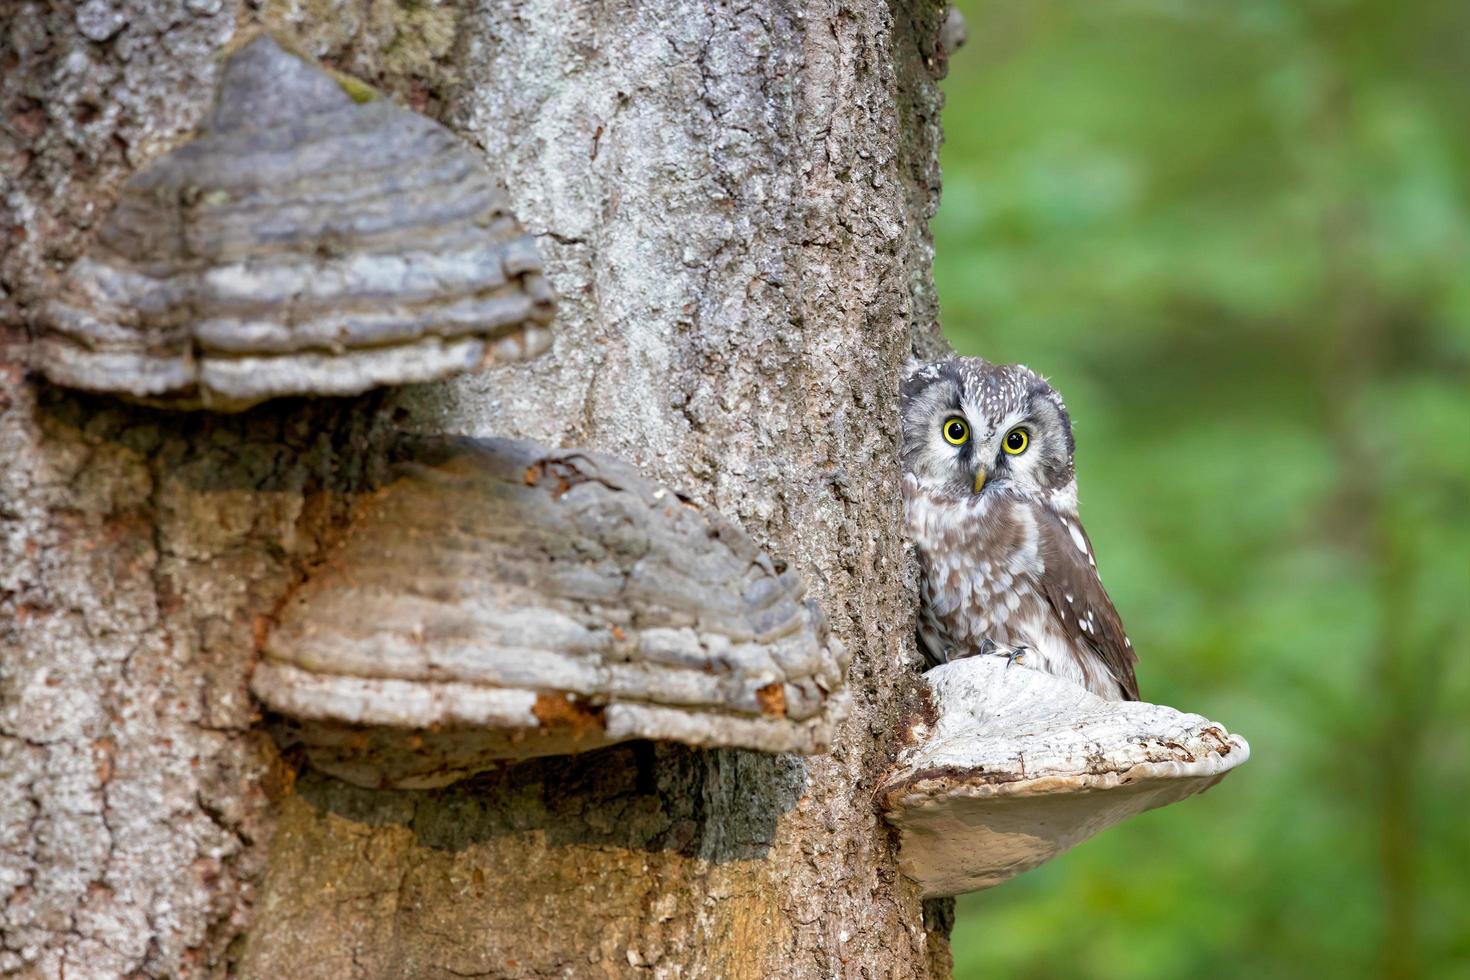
[(979, 480)]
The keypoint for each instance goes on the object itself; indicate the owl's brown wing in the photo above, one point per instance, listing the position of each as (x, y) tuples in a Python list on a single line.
[(1071, 585)]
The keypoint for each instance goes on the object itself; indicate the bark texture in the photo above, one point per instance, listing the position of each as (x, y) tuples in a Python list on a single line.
[(731, 202)]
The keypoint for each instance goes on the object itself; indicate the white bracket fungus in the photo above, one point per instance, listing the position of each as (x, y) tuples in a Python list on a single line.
[(1021, 765)]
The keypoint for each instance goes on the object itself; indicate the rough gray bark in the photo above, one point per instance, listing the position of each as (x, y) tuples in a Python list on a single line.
[(732, 205)]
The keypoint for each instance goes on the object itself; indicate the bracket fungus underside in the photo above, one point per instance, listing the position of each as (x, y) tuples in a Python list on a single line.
[(497, 600), (304, 243), (1021, 765)]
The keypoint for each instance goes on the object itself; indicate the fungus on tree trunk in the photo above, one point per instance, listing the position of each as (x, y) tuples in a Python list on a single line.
[(499, 600), (313, 240), (1019, 765)]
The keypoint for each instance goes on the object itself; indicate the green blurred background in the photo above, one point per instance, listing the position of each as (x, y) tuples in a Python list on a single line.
[(1235, 236)]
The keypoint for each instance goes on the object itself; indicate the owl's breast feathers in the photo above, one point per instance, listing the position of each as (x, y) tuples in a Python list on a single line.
[(1008, 568)]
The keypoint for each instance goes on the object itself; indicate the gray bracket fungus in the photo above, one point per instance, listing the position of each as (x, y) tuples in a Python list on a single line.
[(302, 244), (1021, 765), (498, 600)]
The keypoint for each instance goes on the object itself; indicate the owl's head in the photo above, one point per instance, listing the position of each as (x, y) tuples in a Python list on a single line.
[(972, 427)]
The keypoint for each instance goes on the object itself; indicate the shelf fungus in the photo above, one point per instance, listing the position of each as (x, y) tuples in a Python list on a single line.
[(311, 240), (1019, 766), (495, 600)]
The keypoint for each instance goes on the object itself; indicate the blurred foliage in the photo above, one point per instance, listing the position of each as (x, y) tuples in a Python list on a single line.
[(1236, 238)]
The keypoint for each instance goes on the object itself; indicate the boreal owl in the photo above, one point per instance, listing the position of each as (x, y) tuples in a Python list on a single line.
[(990, 493)]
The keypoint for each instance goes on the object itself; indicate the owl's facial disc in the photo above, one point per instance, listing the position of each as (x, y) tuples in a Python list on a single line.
[(972, 428)]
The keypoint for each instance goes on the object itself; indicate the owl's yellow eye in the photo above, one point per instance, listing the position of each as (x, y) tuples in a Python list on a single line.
[(1016, 442), (956, 432)]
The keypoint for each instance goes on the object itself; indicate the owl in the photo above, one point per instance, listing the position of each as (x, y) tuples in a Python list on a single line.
[(990, 495)]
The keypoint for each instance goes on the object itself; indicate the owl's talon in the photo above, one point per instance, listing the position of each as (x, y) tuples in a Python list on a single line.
[(990, 648)]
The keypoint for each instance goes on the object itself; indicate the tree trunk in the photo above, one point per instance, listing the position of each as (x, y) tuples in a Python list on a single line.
[(732, 203)]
